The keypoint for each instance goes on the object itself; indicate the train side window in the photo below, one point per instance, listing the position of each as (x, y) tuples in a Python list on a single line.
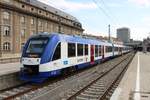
[(105, 48), (108, 49), (96, 50), (120, 49), (57, 54), (71, 50), (86, 49), (80, 49), (99, 50), (116, 48)]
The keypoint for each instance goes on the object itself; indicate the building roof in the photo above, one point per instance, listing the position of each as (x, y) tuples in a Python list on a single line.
[(51, 9), (123, 28)]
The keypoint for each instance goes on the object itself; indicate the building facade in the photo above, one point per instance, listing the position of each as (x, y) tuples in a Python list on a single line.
[(19, 19), (146, 45), (123, 34)]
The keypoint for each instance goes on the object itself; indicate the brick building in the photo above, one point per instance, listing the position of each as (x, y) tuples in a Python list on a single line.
[(19, 19)]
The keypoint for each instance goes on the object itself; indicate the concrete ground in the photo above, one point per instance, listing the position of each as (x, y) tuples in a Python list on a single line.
[(9, 68), (135, 84), (9, 75)]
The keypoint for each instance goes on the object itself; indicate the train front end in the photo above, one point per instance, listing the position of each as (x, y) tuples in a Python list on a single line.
[(32, 56)]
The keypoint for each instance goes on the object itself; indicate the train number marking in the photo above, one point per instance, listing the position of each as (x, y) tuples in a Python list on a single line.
[(65, 62)]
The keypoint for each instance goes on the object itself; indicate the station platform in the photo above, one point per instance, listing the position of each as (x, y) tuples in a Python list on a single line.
[(9, 75), (9, 68), (135, 84)]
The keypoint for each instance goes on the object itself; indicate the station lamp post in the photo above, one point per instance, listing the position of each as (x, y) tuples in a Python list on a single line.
[(109, 32), (0, 41)]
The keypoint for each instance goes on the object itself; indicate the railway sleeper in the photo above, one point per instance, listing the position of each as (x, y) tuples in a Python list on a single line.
[(98, 85), (80, 98), (84, 98), (95, 87), (89, 96), (98, 90), (92, 92)]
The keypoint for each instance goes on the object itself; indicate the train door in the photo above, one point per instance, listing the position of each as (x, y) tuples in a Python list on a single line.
[(120, 50), (113, 49), (102, 52), (92, 54)]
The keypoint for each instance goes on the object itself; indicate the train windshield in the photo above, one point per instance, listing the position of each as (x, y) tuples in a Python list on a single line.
[(36, 46)]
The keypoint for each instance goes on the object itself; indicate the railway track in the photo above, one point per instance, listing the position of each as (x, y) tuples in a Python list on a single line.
[(15, 91), (73, 84), (102, 87)]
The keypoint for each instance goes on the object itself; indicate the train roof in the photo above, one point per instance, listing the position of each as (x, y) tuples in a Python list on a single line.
[(75, 38), (118, 45), (72, 38)]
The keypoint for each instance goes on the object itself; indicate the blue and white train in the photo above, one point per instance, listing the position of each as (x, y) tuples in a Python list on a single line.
[(48, 55)]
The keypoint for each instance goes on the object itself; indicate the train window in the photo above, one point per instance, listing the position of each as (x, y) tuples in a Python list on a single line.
[(108, 49), (99, 50), (86, 49), (120, 49), (125, 48), (116, 49), (80, 49), (37, 46), (71, 50), (96, 50), (57, 54)]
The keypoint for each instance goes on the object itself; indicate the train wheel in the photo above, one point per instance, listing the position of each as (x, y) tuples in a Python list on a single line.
[(64, 71), (73, 69)]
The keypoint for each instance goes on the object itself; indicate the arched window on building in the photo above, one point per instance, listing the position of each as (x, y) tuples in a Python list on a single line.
[(39, 23), (22, 19), (46, 25), (6, 31), (32, 21), (23, 32), (6, 46), (6, 15)]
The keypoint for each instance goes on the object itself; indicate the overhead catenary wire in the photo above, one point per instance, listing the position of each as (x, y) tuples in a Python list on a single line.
[(109, 20), (107, 8), (108, 15)]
